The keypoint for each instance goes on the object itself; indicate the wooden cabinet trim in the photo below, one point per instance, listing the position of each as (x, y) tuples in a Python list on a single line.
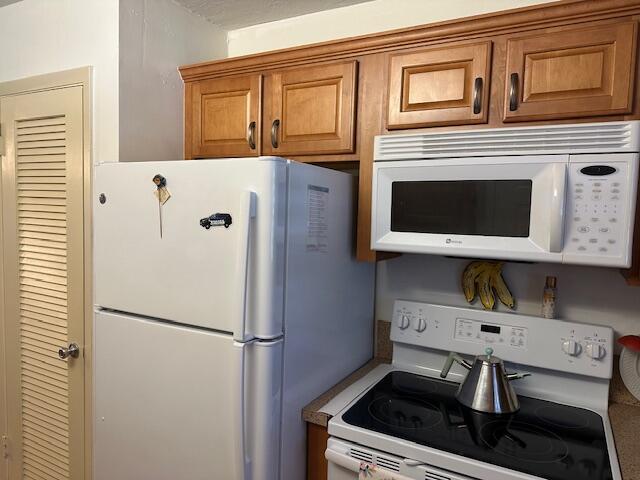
[(371, 110), (188, 121), (535, 17)]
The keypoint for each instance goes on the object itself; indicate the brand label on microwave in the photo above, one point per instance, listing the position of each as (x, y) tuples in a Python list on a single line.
[(451, 240)]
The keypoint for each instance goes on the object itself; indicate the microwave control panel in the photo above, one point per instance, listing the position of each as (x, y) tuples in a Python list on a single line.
[(597, 209)]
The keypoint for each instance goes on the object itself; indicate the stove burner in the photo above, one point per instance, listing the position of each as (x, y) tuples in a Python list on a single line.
[(524, 441), (562, 417), (415, 388), (406, 413)]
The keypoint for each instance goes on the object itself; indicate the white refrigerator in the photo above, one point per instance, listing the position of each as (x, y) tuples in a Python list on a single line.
[(226, 300)]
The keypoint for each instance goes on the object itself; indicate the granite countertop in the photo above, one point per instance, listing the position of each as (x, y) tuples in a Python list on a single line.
[(625, 423), (624, 409), (624, 413)]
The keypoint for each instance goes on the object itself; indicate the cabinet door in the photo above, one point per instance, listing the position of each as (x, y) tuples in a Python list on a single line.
[(225, 117), (576, 73), (442, 86), (317, 437), (310, 110)]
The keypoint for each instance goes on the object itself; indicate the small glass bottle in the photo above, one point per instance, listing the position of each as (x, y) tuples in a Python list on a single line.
[(549, 298)]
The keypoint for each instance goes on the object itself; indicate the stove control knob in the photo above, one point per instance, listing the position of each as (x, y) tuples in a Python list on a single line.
[(595, 351), (403, 321), (571, 348), (421, 325)]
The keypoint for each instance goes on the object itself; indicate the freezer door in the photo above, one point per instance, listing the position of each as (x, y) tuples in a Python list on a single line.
[(180, 261), (178, 402)]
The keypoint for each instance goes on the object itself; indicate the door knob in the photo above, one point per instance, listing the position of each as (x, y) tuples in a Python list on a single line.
[(72, 351)]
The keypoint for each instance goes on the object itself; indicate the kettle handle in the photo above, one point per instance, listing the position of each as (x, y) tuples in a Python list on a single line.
[(450, 359)]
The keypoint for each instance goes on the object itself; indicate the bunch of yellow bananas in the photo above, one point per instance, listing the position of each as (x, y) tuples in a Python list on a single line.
[(482, 279)]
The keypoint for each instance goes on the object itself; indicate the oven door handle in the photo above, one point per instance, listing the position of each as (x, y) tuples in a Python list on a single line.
[(355, 465), (342, 460), (558, 194)]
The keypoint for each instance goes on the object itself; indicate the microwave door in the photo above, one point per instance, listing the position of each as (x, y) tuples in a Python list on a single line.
[(508, 207)]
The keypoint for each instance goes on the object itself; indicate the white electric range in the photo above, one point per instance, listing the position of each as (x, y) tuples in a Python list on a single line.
[(405, 419)]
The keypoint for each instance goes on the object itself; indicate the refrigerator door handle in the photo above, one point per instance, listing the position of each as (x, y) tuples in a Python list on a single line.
[(243, 470), (248, 213)]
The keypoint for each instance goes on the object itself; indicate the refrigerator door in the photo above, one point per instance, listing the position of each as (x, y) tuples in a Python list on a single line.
[(179, 402), (211, 256)]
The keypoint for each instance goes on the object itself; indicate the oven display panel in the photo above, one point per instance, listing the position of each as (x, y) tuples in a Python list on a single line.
[(486, 333)]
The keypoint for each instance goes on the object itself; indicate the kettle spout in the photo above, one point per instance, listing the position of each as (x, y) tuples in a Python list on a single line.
[(517, 376)]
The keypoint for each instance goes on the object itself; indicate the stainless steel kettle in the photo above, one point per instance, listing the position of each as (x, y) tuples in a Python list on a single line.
[(487, 387)]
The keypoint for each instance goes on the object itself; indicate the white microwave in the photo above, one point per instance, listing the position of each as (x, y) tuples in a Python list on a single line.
[(560, 193)]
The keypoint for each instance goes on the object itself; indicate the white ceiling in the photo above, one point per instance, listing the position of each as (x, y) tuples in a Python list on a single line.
[(230, 14)]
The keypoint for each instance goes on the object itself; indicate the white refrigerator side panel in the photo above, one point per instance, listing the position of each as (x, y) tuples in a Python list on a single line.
[(329, 299), (191, 274), (168, 403)]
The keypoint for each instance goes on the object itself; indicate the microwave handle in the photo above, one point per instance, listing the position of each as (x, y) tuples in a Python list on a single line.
[(558, 195)]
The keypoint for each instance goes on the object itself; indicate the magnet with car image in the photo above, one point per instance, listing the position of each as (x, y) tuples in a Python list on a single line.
[(216, 220)]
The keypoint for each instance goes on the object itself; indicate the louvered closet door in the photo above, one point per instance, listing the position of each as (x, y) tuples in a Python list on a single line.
[(42, 218)]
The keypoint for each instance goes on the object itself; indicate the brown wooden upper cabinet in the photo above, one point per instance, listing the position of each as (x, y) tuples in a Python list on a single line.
[(570, 74), (439, 86), (225, 117), (310, 110)]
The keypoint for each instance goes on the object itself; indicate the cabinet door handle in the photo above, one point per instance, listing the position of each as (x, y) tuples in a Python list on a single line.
[(274, 133), (251, 135), (513, 92), (477, 96)]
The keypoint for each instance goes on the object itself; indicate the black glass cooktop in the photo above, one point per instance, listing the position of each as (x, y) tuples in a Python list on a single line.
[(544, 439)]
